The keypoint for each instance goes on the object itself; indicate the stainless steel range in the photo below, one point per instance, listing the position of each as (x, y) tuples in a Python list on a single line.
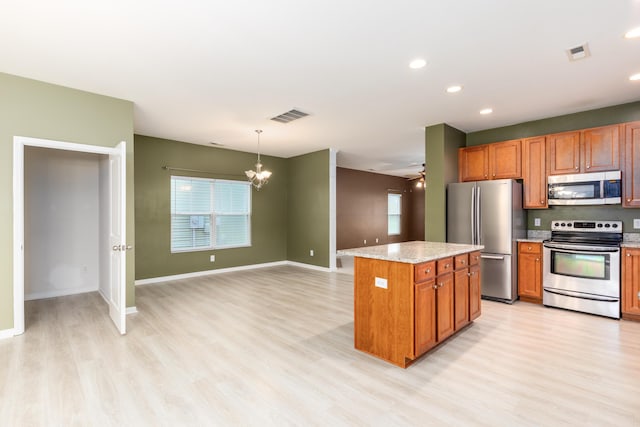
[(582, 267)]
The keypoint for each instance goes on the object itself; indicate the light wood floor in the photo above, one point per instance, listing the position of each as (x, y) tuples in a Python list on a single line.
[(275, 347)]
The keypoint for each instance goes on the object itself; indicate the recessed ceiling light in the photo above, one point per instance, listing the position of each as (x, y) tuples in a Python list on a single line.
[(454, 89), (634, 77), (486, 111), (632, 34), (417, 63)]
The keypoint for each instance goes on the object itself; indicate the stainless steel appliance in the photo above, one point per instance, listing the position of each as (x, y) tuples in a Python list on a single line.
[(598, 188), (489, 213), (581, 265)]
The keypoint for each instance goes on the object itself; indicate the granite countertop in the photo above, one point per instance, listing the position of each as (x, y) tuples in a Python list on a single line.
[(411, 252), (631, 244), (534, 240)]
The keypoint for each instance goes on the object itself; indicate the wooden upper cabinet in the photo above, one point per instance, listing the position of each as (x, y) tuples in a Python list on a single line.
[(505, 159), (631, 166), (490, 161), (534, 173), (589, 150), (473, 163), (601, 148), (563, 153)]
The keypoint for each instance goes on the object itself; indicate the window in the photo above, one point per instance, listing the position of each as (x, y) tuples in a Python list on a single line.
[(209, 214), (394, 211)]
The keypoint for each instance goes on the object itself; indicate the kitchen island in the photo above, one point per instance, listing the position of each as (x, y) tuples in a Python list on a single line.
[(410, 297)]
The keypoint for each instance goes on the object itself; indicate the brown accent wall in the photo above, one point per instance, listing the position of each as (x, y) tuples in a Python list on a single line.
[(361, 209)]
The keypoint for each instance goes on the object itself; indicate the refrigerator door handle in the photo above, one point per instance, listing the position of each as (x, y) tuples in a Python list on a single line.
[(491, 257), (473, 216), (478, 218)]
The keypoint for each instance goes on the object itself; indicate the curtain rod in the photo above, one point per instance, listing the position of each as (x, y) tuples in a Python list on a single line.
[(170, 168)]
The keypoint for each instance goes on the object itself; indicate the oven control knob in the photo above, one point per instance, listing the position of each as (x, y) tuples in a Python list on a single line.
[(599, 225), (607, 225), (569, 224), (563, 224), (557, 224), (614, 225)]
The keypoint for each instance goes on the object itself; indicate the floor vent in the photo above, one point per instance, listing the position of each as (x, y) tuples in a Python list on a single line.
[(289, 116)]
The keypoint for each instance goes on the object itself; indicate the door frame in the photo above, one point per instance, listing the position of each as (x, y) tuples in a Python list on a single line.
[(19, 142)]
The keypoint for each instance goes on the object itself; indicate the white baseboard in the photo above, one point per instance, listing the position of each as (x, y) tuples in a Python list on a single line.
[(58, 293), (7, 333), (309, 266), (154, 280), (132, 310)]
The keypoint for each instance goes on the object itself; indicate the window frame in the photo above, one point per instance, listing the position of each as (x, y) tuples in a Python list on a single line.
[(399, 215), (211, 214)]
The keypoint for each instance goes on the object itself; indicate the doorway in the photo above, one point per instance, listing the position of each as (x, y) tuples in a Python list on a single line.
[(60, 178)]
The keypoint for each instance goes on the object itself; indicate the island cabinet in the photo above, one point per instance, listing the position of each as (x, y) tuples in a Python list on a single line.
[(530, 271), (403, 309), (630, 283), (588, 150)]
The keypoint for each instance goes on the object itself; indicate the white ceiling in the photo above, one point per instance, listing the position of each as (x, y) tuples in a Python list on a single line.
[(203, 71)]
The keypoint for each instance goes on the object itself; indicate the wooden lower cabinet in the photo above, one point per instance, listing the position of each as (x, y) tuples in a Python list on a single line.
[(444, 306), (475, 293), (530, 271), (425, 316), (631, 283), (461, 298)]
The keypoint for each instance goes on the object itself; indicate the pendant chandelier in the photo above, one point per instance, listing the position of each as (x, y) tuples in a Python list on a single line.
[(259, 177)]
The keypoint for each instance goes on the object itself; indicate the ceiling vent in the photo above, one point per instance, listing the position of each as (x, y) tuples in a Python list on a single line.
[(289, 116), (579, 52)]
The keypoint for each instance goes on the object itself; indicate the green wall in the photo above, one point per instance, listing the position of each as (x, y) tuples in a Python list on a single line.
[(586, 119), (35, 109), (153, 226), (308, 208), (441, 166)]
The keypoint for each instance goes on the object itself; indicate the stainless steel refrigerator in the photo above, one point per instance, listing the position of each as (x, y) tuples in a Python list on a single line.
[(489, 213)]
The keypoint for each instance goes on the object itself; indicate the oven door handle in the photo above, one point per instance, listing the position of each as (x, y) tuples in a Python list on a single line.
[(581, 296), (580, 248)]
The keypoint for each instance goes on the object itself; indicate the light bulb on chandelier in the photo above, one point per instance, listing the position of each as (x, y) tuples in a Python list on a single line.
[(259, 177)]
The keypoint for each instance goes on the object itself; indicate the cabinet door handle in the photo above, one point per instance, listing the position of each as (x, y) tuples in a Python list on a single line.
[(577, 168), (441, 285), (471, 274), (628, 200), (537, 259), (628, 254), (529, 247), (435, 286), (588, 166), (462, 262), (428, 270), (542, 202), (447, 265)]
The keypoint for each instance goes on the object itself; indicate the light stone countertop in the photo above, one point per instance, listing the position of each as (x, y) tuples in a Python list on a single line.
[(411, 252), (532, 240), (630, 245)]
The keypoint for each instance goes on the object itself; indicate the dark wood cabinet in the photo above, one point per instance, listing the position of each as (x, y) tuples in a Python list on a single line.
[(530, 271), (631, 166), (631, 283), (534, 174)]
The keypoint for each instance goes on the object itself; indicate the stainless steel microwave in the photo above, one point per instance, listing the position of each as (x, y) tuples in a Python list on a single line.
[(599, 188)]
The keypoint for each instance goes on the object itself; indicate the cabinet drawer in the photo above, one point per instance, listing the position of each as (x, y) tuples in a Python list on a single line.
[(445, 265), (529, 248), (474, 258), (461, 261), (424, 271)]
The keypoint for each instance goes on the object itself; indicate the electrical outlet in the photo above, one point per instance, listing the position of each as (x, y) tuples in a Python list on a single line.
[(310, 252), (536, 222), (636, 223), (212, 258)]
